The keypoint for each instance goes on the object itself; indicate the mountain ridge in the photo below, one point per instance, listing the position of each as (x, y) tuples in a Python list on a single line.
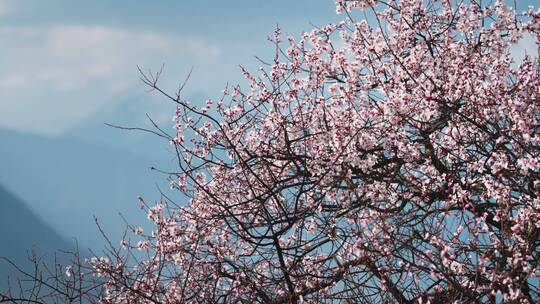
[(67, 182), (21, 230)]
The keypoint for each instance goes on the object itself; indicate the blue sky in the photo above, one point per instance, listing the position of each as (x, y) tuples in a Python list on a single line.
[(64, 60)]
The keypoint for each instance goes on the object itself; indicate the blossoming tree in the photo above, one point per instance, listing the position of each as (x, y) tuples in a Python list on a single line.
[(393, 157)]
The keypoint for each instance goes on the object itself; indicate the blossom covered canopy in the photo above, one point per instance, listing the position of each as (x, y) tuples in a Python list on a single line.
[(393, 157)]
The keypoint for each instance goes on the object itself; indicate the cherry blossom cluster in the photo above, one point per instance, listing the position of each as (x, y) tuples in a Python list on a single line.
[(393, 157)]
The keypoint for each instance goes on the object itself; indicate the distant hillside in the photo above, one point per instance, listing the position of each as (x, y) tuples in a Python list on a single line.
[(67, 181), (131, 112), (21, 230)]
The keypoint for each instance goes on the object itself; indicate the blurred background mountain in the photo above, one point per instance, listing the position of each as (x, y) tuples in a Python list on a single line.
[(21, 231), (90, 170)]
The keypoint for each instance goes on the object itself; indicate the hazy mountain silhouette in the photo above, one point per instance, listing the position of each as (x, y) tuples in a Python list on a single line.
[(131, 112), (92, 169), (21, 230), (66, 182)]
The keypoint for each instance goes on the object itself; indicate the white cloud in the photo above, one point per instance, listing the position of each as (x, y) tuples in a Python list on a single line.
[(51, 77), (7, 7), (69, 57)]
